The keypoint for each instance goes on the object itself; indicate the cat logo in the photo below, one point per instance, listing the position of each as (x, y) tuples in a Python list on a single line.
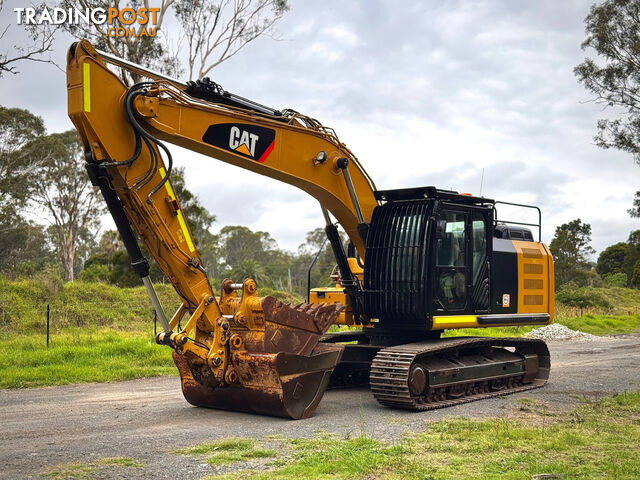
[(244, 139)]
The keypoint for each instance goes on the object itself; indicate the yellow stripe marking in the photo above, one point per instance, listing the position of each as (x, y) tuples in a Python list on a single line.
[(455, 321), (181, 221), (86, 77)]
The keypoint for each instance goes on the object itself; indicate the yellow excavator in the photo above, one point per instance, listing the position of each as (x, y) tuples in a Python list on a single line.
[(419, 260)]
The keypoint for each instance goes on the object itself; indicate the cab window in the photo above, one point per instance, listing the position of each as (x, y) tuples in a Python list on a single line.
[(451, 269), (479, 238)]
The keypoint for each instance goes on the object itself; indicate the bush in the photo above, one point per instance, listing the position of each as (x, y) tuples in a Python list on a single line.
[(615, 280), (583, 297), (95, 273)]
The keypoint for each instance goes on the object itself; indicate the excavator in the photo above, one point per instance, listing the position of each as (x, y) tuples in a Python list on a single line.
[(419, 261)]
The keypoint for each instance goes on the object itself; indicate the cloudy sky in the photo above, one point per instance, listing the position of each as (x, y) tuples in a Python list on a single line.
[(424, 93)]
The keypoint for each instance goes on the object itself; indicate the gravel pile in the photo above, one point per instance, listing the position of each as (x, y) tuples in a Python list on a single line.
[(555, 331)]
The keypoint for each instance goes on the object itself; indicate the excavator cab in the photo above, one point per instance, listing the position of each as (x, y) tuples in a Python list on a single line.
[(437, 259)]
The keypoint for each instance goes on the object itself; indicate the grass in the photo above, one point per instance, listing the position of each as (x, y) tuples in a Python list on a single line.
[(488, 332), (603, 324), (588, 323), (99, 333), (102, 333), (597, 440), (228, 450), (87, 470), (81, 355)]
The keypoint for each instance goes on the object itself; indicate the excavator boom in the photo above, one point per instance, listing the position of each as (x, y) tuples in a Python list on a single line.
[(256, 349)]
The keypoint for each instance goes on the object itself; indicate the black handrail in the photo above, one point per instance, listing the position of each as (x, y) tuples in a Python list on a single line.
[(313, 262), (539, 224)]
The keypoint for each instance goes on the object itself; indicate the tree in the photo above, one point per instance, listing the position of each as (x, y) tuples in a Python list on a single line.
[(611, 259), (199, 220), (250, 268), (634, 211), (18, 127), (59, 187), (631, 257), (41, 42), (150, 51), (316, 241), (239, 244), (23, 243), (635, 279), (621, 260), (571, 251), (612, 31), (109, 262), (214, 30)]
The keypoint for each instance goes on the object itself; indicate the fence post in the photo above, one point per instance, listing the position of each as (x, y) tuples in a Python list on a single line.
[(48, 310)]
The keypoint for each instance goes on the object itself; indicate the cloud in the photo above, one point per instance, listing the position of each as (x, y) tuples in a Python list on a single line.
[(424, 93)]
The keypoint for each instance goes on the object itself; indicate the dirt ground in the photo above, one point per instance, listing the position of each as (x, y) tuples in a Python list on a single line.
[(145, 419)]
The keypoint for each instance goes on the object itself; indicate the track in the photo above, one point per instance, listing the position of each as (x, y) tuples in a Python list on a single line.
[(442, 373)]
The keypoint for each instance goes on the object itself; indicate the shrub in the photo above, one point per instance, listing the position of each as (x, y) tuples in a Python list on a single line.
[(95, 273), (615, 280), (583, 297)]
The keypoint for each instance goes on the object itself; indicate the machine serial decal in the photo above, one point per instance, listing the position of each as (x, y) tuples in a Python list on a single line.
[(250, 141), (506, 300)]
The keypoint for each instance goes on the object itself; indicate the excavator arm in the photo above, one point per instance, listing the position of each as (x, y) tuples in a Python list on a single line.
[(246, 344)]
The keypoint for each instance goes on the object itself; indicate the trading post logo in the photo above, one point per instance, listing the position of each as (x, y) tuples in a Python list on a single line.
[(117, 22)]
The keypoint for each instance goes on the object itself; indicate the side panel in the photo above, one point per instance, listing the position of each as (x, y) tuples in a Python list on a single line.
[(504, 277), (552, 284), (533, 278)]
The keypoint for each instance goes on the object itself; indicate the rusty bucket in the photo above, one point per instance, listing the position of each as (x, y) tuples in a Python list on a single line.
[(281, 370)]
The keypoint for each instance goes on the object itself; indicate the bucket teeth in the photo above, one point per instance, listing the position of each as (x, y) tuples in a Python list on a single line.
[(314, 318)]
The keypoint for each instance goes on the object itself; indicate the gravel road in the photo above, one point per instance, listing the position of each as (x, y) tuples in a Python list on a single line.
[(145, 419)]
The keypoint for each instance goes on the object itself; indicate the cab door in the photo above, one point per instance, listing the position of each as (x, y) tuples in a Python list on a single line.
[(451, 257), (462, 261)]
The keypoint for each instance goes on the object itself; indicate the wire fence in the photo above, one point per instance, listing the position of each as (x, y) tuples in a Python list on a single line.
[(49, 319)]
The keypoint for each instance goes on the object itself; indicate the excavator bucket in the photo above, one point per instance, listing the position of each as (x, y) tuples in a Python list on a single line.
[(280, 370)]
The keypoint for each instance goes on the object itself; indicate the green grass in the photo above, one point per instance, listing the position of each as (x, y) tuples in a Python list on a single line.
[(588, 323), (77, 304), (228, 450), (78, 355), (597, 440), (603, 324), (87, 470), (488, 332), (103, 333)]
